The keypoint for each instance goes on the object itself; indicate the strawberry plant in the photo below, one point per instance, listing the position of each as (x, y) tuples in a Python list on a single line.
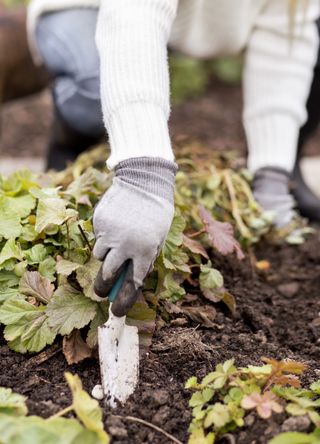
[(223, 398), (18, 428)]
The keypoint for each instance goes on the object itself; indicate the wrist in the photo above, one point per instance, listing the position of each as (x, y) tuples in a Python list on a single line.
[(151, 174), (138, 130)]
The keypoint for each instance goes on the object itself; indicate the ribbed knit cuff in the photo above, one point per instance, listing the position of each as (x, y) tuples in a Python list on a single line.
[(272, 141), (271, 181), (154, 175), (138, 130)]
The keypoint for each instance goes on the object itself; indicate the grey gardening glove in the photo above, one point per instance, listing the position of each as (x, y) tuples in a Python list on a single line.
[(131, 223), (271, 189)]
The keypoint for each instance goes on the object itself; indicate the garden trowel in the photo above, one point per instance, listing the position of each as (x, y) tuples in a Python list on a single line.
[(118, 353)]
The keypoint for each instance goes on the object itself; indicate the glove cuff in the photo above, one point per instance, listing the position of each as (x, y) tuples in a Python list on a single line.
[(272, 180), (152, 174)]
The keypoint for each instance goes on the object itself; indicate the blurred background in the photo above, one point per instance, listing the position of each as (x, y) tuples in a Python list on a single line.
[(206, 99)]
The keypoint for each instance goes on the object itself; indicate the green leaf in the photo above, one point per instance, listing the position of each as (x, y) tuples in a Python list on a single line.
[(295, 438), (15, 309), (196, 399), (207, 394), (34, 285), (8, 293), (218, 416), (47, 268), (315, 387), (27, 326), (172, 290), (65, 267), (36, 254), (258, 370), (191, 383), (86, 275), (100, 318), (11, 250), (12, 403), (24, 431), (28, 233), (86, 408), (9, 278), (210, 278), (23, 205), (21, 180), (10, 226), (219, 377), (175, 235), (68, 430), (52, 211), (35, 430), (87, 185), (198, 437), (69, 309)]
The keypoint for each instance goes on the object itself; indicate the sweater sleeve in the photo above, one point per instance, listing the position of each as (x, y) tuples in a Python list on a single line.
[(132, 38), (277, 77)]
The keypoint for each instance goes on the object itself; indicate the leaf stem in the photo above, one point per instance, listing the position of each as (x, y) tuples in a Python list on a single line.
[(197, 233), (234, 205), (149, 424), (83, 234), (68, 238), (61, 412)]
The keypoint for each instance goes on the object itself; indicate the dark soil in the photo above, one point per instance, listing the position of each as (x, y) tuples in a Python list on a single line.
[(276, 309), (275, 317)]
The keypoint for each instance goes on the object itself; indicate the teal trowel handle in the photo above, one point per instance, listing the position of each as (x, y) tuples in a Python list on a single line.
[(116, 288)]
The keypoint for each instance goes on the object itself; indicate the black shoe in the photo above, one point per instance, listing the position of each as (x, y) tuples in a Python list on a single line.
[(307, 202), (66, 144)]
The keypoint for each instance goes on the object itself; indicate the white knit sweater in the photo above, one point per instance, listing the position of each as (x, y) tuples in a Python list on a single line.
[(132, 36)]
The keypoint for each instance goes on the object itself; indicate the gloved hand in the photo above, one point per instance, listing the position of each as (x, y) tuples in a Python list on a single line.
[(131, 223), (271, 188)]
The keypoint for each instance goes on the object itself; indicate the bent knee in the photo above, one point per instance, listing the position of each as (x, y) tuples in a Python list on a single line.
[(78, 101), (88, 85)]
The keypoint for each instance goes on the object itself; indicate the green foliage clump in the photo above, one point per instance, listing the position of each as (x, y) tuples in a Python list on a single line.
[(46, 237), (223, 398), (18, 428), (47, 270), (46, 267)]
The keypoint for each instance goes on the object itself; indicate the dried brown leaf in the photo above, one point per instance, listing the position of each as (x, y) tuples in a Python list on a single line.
[(220, 234), (179, 322), (194, 246), (230, 301), (144, 318), (34, 285), (75, 348), (221, 295), (204, 315), (286, 366), (287, 380)]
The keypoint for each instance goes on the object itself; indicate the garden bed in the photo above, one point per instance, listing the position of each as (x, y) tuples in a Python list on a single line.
[(276, 316)]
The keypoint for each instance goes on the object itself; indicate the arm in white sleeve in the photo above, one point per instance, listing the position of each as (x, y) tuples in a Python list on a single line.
[(277, 78), (132, 38)]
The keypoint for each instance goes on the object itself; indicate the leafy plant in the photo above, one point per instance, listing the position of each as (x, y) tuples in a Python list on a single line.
[(297, 438), (47, 270), (224, 397), (18, 428)]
